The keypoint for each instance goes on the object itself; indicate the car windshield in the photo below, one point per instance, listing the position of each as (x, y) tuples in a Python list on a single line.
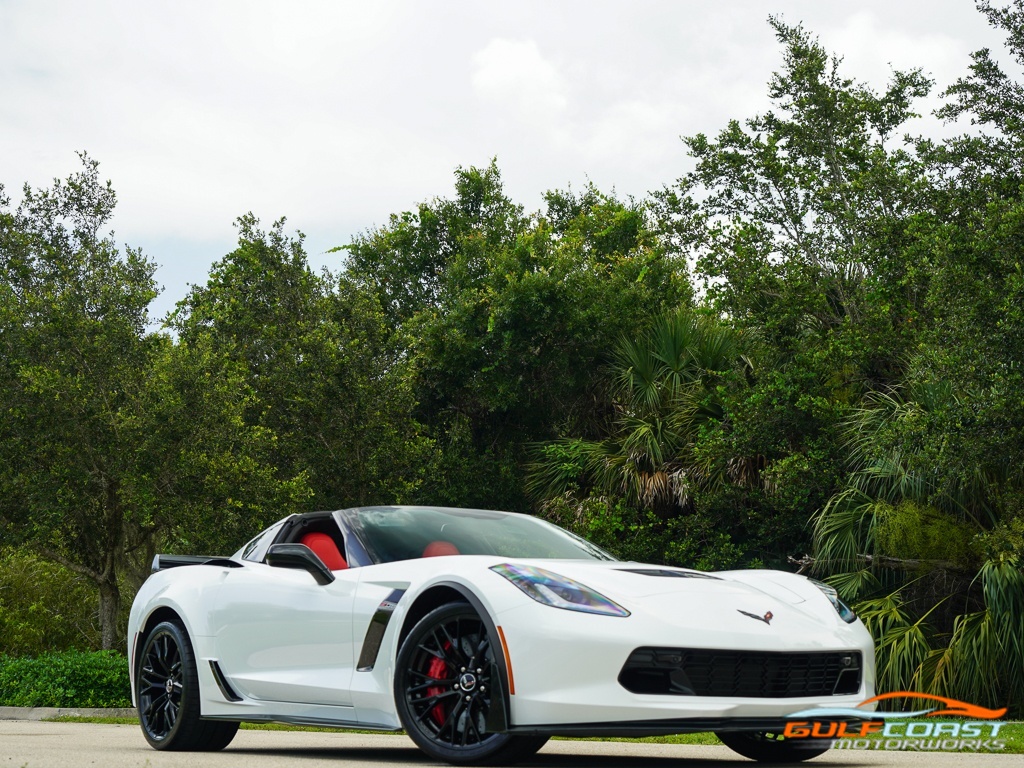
[(406, 533)]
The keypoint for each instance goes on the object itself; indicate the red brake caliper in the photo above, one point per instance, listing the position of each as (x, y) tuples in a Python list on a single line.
[(438, 670)]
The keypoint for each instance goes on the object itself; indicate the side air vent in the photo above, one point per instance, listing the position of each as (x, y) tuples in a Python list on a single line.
[(375, 632), (222, 682)]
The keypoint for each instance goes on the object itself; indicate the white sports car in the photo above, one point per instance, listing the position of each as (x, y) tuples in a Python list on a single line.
[(481, 634)]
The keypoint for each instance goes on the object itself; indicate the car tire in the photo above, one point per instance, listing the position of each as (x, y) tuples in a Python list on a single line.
[(772, 747), (443, 691), (167, 692)]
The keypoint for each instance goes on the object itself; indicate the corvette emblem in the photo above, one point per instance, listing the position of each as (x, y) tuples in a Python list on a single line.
[(767, 618)]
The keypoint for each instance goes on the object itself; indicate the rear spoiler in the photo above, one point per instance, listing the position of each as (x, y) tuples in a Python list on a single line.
[(163, 562)]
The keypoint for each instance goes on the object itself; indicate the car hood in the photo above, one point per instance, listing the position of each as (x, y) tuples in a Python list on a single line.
[(636, 580), (740, 599)]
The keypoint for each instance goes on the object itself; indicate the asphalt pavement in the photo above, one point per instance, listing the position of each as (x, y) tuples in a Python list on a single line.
[(26, 744)]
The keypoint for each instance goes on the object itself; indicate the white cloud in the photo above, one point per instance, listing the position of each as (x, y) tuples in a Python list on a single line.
[(515, 77), (337, 113), (872, 51)]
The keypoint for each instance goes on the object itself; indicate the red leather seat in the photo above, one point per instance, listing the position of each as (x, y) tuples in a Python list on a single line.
[(325, 548), (440, 548)]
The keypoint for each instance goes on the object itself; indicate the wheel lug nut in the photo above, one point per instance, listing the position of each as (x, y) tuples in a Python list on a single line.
[(468, 698), (463, 669)]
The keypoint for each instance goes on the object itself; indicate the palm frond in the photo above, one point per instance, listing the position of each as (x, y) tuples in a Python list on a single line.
[(842, 530), (902, 644), (975, 668), (855, 585), (663, 382)]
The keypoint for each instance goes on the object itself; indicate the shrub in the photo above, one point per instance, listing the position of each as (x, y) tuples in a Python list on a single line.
[(68, 679), (689, 541), (44, 607)]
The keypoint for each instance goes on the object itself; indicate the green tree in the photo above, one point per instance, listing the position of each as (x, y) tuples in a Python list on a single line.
[(316, 354), (74, 349), (109, 431), (928, 526), (665, 391), (933, 553), (972, 248), (799, 218), (801, 224), (641, 488), (506, 316), (44, 607)]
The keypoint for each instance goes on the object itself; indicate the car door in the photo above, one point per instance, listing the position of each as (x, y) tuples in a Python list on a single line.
[(281, 636)]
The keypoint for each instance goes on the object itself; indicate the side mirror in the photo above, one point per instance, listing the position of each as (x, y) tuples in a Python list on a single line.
[(302, 557)]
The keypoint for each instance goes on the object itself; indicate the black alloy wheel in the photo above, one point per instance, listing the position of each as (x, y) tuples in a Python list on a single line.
[(167, 692), (444, 684), (768, 747)]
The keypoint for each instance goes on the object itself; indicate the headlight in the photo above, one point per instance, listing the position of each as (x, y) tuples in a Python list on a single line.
[(845, 612), (558, 591)]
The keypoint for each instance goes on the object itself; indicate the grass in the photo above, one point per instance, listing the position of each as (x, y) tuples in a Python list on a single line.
[(101, 720), (1012, 733)]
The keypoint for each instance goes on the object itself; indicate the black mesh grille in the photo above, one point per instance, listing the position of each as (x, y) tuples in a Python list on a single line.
[(753, 674)]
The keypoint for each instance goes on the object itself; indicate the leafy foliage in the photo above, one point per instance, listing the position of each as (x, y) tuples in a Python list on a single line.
[(850, 377), (505, 316), (693, 541), (44, 607), (931, 505), (325, 383), (798, 217), (95, 404), (68, 679), (663, 385)]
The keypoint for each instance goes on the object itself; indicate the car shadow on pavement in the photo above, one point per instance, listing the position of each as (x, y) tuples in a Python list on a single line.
[(412, 756), (367, 755), (659, 761)]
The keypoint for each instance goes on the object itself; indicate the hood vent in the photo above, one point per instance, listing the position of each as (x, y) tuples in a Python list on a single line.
[(665, 572)]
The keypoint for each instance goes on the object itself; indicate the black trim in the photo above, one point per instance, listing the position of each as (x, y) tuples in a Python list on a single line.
[(222, 682), (163, 562), (375, 632), (318, 721), (636, 728), (299, 557), (731, 673), (351, 530), (668, 573), (497, 713), (286, 528)]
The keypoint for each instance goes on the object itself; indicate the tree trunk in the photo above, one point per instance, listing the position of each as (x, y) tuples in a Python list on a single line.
[(110, 607)]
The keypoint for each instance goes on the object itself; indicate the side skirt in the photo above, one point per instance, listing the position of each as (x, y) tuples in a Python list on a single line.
[(316, 721)]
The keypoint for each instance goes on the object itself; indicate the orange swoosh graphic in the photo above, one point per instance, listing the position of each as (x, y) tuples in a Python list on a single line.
[(951, 706)]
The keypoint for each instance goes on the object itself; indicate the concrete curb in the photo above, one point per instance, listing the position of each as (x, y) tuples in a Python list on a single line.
[(51, 713)]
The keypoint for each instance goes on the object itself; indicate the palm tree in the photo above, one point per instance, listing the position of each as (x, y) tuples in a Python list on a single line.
[(930, 554), (663, 391)]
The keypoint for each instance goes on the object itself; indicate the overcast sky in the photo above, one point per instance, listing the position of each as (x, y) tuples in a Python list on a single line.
[(337, 114)]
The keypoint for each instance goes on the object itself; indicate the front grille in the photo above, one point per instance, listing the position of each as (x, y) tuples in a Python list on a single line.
[(752, 674)]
